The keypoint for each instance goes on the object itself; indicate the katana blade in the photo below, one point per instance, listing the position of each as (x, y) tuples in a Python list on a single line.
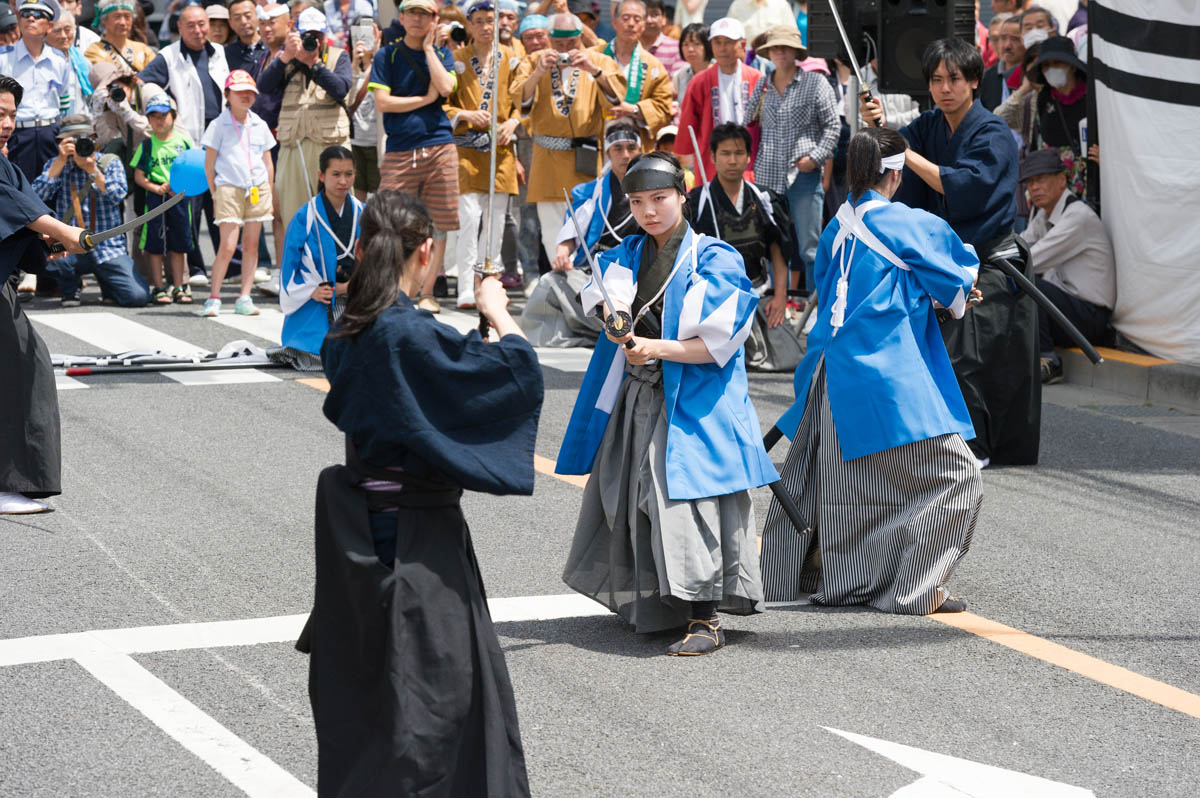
[(619, 323), (858, 73), (90, 240)]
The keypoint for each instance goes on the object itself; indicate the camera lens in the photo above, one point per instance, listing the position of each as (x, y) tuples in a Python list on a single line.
[(310, 41), (564, 58), (117, 94), (458, 33), (85, 147)]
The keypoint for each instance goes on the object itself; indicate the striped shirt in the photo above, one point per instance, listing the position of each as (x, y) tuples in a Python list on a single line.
[(804, 121)]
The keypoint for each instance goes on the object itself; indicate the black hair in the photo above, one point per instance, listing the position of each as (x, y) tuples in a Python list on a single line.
[(394, 225), (864, 157), (334, 152), (628, 127), (9, 85), (654, 5), (1039, 10), (726, 131), (700, 31), (957, 54)]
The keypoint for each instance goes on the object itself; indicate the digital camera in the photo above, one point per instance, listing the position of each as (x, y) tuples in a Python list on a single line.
[(85, 147), (310, 40)]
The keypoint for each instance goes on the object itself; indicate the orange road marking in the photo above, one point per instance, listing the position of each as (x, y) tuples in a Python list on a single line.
[(1031, 645), (1095, 669)]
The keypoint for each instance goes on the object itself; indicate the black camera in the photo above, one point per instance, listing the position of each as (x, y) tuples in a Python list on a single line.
[(85, 147), (458, 33), (310, 40), (117, 94)]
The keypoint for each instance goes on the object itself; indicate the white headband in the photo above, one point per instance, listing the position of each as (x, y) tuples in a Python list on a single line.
[(895, 162)]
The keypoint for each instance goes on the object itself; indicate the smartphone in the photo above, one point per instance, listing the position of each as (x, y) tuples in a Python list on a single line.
[(362, 33)]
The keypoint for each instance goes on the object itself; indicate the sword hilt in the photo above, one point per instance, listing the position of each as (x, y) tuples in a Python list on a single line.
[(85, 241), (620, 324), (865, 97)]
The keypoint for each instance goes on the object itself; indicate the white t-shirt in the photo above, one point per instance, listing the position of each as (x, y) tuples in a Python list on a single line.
[(239, 149), (729, 93)]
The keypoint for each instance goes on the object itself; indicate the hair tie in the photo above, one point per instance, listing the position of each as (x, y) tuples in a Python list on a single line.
[(894, 162)]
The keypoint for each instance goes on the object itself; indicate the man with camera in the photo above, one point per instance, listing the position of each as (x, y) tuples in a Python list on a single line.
[(315, 79), (46, 77), (89, 189), (566, 92)]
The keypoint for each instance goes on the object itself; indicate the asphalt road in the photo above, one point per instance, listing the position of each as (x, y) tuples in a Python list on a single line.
[(193, 503)]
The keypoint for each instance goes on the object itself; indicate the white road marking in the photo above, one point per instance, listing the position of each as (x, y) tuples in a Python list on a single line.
[(64, 383), (111, 333), (268, 324), (950, 777)]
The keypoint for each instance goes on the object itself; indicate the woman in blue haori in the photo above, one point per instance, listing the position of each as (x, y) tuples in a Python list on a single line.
[(318, 259), (878, 463), (666, 534)]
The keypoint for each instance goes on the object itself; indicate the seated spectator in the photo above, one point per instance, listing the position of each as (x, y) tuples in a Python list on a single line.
[(116, 46), (1072, 258), (90, 192), (318, 260), (172, 232), (756, 223)]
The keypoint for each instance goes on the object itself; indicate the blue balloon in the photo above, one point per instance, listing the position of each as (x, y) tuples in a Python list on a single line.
[(187, 173)]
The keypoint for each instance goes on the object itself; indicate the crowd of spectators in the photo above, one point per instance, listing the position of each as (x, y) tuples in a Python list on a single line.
[(269, 88)]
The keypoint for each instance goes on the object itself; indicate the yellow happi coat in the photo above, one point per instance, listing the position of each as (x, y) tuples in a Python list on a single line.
[(654, 100), (474, 165), (553, 170)]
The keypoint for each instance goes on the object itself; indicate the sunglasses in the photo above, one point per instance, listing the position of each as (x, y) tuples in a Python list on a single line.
[(33, 13)]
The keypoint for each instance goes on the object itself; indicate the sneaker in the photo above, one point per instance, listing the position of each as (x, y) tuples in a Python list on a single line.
[(1052, 370), (270, 287), (70, 299), (198, 280), (16, 504), (245, 307), (441, 288), (261, 275), (531, 284), (212, 308), (429, 303), (28, 284)]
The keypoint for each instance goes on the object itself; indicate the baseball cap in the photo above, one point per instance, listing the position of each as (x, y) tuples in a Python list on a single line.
[(479, 5), (426, 5), (728, 27), (49, 7), (666, 130), (310, 19), (240, 80), (7, 17), (1041, 162), (217, 11)]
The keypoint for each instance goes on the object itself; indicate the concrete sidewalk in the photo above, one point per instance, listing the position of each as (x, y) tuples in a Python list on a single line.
[(1150, 379)]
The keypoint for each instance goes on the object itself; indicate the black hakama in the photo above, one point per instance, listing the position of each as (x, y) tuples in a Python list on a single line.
[(30, 455)]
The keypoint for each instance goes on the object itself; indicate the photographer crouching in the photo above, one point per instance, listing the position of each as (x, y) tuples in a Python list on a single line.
[(315, 78), (88, 189)]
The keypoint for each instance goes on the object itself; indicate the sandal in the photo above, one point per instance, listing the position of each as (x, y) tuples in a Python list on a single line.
[(181, 295), (703, 637), (161, 296)]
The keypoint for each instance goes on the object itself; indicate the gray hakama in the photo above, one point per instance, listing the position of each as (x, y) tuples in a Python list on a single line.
[(642, 555), (886, 529)]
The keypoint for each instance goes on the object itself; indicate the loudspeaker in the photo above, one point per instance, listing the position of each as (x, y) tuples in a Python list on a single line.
[(861, 19), (906, 27)]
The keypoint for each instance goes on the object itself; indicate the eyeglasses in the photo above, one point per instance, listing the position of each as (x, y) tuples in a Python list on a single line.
[(34, 13)]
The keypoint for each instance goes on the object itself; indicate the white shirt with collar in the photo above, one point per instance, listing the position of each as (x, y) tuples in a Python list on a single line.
[(1072, 250), (45, 79), (239, 148)]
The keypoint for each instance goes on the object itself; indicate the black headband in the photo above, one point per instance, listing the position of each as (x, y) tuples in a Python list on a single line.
[(651, 173)]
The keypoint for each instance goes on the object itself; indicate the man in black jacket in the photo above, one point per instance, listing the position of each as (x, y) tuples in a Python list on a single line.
[(994, 88)]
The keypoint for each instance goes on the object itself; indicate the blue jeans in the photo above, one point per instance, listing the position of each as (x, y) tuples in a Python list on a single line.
[(119, 281), (806, 198)]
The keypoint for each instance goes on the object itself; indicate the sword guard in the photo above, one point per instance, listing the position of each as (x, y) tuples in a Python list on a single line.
[(620, 324), (85, 240)]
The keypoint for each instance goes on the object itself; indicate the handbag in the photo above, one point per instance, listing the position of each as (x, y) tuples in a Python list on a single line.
[(587, 152)]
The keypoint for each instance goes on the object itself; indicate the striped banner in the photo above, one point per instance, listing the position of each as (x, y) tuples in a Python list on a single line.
[(1145, 60)]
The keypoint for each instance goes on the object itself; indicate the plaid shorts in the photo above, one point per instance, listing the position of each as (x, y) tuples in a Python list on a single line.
[(431, 175)]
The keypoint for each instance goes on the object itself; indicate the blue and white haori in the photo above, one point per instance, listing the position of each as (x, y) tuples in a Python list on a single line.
[(591, 203), (310, 256), (714, 444), (887, 373)]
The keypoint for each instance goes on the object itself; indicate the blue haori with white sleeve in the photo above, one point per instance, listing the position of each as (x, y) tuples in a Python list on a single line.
[(887, 373), (714, 444), (590, 202), (310, 257)]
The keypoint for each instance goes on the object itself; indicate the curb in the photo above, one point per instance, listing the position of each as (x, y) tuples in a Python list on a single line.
[(1152, 379)]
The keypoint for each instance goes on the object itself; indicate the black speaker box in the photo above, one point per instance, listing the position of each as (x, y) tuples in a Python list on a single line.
[(861, 18), (906, 28)]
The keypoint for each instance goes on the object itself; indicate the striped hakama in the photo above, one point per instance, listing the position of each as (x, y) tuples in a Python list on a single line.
[(885, 530), (643, 555)]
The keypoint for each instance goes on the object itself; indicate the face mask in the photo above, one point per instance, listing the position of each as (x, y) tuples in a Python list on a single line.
[(1056, 76), (1035, 36)]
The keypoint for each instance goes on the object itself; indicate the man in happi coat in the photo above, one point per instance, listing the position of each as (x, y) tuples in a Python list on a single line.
[(553, 315), (565, 91), (30, 454), (469, 108), (962, 166), (648, 87)]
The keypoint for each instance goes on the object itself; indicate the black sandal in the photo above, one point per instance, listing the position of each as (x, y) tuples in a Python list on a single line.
[(703, 637)]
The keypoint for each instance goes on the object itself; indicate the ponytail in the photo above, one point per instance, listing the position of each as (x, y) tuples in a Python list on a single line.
[(864, 157)]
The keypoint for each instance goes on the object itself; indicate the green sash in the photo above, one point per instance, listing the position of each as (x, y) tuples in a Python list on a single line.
[(633, 74)]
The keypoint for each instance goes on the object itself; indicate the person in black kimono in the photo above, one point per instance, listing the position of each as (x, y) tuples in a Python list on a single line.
[(30, 457), (755, 222), (407, 681), (962, 166)]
